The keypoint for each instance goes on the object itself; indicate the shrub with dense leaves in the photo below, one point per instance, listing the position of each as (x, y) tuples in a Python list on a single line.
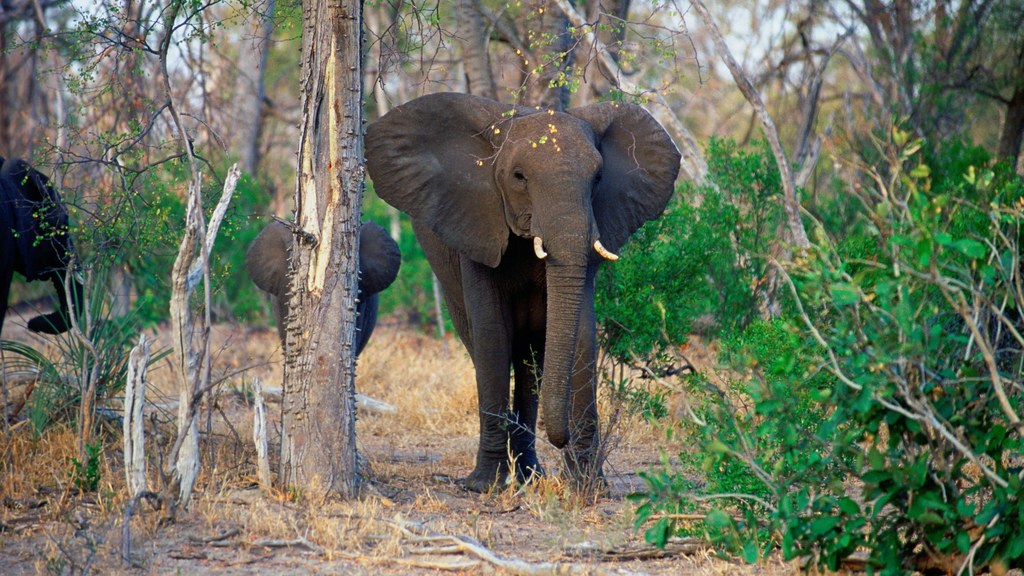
[(883, 411), (694, 268)]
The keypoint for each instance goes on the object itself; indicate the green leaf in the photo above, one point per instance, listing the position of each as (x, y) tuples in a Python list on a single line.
[(963, 542), (844, 293), (849, 507), (718, 447), (971, 248), (920, 171), (824, 524), (718, 519), (751, 552)]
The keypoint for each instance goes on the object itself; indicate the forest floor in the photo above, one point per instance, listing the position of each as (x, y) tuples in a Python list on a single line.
[(413, 518)]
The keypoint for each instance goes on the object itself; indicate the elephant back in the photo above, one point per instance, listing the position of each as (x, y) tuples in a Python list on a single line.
[(35, 215)]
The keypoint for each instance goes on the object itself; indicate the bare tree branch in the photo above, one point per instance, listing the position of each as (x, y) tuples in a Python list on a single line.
[(797, 234), (693, 161)]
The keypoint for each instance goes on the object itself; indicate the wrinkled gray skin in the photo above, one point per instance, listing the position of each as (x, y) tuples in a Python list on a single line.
[(379, 259), (34, 240), (480, 184)]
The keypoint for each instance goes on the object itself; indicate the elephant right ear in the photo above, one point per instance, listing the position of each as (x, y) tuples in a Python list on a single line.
[(267, 259), (379, 259), (432, 159)]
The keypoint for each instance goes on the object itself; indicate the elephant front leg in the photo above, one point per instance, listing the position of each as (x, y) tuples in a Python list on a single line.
[(523, 434), (491, 329), (492, 458)]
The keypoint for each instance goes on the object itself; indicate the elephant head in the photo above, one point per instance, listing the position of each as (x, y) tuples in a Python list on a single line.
[(379, 259), (34, 240), (576, 184)]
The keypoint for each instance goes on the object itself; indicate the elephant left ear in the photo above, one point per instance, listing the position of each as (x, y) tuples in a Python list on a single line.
[(640, 168)]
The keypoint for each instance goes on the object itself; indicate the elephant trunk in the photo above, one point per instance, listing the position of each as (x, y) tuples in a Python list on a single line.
[(59, 320), (565, 285)]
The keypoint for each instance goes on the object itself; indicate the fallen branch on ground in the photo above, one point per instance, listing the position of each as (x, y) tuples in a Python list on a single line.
[(416, 533)]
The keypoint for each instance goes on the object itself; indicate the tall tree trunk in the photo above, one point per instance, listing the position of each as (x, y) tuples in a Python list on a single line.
[(1013, 126), (546, 28), (252, 66), (472, 39), (610, 16), (376, 76), (6, 98), (318, 448)]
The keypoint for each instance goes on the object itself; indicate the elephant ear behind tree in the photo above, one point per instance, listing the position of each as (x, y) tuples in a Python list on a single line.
[(267, 262), (34, 240), (479, 177)]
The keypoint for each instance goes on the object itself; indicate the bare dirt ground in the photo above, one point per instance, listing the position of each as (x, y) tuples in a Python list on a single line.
[(413, 518)]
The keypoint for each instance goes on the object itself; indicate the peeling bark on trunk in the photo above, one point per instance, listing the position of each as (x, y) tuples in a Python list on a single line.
[(259, 437), (318, 450), (190, 336)]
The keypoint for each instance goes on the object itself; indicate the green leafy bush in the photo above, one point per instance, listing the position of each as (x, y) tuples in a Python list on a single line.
[(883, 411), (693, 269), (138, 235), (86, 475)]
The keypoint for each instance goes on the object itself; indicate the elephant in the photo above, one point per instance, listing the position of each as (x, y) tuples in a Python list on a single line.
[(379, 260), (34, 240), (515, 209)]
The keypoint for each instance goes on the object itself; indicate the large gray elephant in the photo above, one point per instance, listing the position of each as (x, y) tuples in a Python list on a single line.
[(379, 260), (516, 208), (34, 240)]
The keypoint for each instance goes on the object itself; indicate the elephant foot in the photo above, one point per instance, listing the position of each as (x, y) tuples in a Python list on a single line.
[(486, 477), (583, 471), (528, 468)]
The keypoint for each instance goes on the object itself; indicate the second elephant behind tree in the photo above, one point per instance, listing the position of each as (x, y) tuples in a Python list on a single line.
[(379, 260)]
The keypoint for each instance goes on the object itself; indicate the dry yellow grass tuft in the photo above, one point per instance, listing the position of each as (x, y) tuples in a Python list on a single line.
[(433, 388)]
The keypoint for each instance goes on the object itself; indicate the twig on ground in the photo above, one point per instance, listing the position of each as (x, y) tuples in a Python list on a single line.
[(626, 552), (231, 533), (455, 565), (451, 544), (300, 542)]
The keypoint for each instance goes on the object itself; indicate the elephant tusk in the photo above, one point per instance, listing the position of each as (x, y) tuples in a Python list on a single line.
[(604, 251), (538, 247)]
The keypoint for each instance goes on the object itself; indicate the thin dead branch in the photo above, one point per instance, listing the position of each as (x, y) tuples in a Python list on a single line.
[(450, 544), (126, 533), (797, 235), (693, 161), (259, 436), (134, 422)]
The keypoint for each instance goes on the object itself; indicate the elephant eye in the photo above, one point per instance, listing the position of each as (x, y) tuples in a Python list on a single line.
[(518, 175)]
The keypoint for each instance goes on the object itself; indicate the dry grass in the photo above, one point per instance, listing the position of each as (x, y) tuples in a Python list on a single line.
[(413, 457)]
